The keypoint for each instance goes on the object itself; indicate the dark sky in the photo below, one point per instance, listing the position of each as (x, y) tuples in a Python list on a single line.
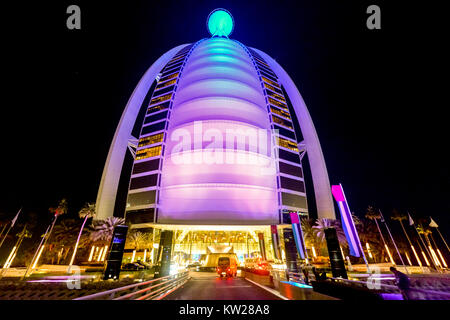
[(375, 96)]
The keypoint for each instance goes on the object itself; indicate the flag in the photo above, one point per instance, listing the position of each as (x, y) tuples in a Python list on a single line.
[(382, 217), (298, 235), (275, 242), (433, 224), (13, 221), (411, 221), (347, 222)]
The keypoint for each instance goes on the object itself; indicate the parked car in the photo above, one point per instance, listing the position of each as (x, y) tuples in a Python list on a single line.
[(250, 263), (132, 267), (195, 264), (144, 264)]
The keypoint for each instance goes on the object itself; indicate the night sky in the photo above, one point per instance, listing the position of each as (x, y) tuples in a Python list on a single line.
[(374, 95)]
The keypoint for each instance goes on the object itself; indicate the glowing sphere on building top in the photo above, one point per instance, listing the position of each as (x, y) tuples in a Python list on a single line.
[(220, 23)]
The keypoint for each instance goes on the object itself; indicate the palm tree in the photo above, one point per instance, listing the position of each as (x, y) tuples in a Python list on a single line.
[(136, 239), (103, 229), (374, 215), (63, 236), (398, 216), (421, 230), (58, 211), (322, 224), (309, 233), (88, 211), (368, 234)]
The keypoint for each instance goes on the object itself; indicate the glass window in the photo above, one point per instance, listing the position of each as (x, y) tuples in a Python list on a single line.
[(265, 74), (282, 121), (171, 76), (293, 200), (290, 169), (268, 86), (144, 181), (156, 117), (255, 54), (268, 71), (161, 99), (261, 61), (163, 90), (287, 144), (278, 104), (176, 58), (169, 71), (280, 112), (148, 153), (159, 107), (140, 216), (276, 95), (274, 83), (141, 198), (288, 156), (166, 84), (153, 127), (146, 166), (291, 184), (284, 132), (156, 138), (174, 65)]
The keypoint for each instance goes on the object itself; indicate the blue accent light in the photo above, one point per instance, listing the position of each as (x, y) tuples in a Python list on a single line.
[(220, 23), (300, 285)]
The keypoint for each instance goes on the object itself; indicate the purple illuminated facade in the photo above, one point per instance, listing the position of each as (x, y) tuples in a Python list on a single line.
[(186, 172)]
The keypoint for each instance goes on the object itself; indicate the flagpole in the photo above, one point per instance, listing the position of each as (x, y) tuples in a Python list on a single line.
[(13, 252), (411, 223), (410, 243), (392, 238), (433, 224), (6, 234), (44, 239), (13, 221), (348, 224), (35, 254), (443, 239), (4, 227)]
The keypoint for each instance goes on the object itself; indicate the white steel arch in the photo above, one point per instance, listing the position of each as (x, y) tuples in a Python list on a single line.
[(109, 183)]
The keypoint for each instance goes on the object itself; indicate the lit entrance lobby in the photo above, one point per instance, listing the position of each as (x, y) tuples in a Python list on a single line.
[(192, 244)]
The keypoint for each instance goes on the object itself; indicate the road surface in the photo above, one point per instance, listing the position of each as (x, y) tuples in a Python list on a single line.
[(207, 286)]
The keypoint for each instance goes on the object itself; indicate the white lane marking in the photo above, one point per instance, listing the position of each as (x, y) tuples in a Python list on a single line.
[(233, 287), (274, 292)]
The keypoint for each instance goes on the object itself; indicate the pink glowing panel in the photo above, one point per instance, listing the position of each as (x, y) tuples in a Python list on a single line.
[(254, 171), (294, 217), (337, 193), (218, 204)]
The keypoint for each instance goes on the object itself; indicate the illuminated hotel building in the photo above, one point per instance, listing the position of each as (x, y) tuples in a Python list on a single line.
[(204, 90)]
